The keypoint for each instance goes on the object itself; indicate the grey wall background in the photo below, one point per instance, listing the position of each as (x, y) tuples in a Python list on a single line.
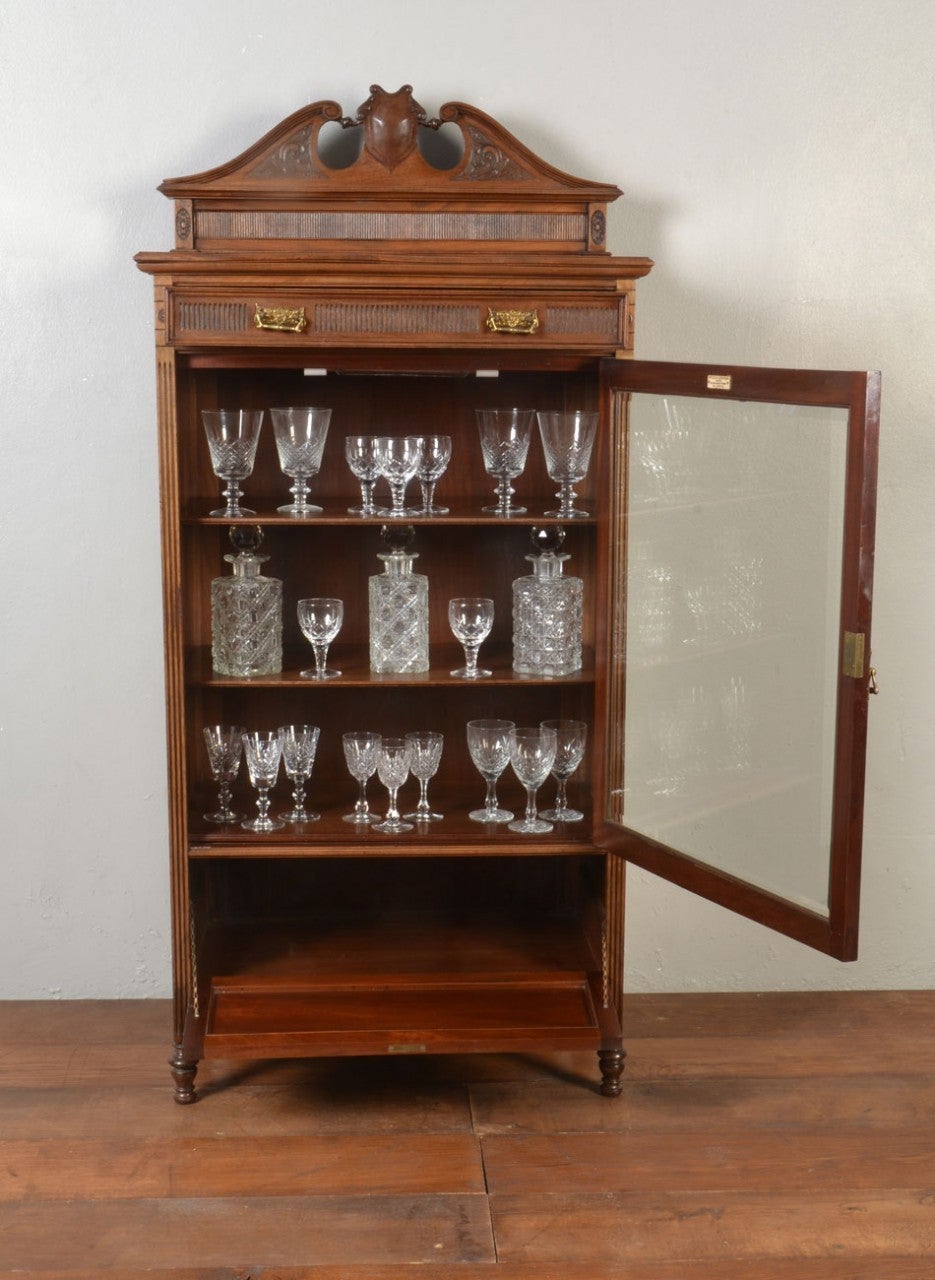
[(777, 158)]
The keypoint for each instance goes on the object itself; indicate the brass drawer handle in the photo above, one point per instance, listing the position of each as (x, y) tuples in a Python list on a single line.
[(512, 321), (282, 319)]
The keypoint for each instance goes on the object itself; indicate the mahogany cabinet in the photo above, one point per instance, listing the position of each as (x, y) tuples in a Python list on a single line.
[(405, 272)]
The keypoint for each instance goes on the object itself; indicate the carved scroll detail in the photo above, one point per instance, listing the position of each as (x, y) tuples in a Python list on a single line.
[(292, 158), (487, 161)]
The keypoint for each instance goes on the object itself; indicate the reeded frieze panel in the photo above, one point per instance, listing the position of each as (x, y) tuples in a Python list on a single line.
[(379, 225)]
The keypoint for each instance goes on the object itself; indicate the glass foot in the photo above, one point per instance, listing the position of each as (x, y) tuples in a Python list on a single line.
[(390, 827), (300, 816), (504, 511), (573, 514), (306, 509), (491, 815), (359, 819), (535, 828), (434, 511), (232, 512), (329, 673), (263, 824), (424, 817), (465, 673), (223, 819), (367, 511), (562, 815)]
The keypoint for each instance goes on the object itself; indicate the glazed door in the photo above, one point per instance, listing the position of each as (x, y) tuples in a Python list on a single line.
[(736, 645)]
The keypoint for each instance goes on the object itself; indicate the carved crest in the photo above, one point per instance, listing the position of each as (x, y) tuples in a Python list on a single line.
[(391, 124)]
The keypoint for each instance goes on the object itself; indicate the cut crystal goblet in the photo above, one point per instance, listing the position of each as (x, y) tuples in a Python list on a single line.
[(398, 458), (224, 745), (363, 460), (470, 618), (489, 745), (299, 745), (263, 752), (393, 756), (504, 441), (425, 753), (360, 752), (532, 754), (567, 440), (434, 456), (320, 619), (233, 436), (300, 441), (571, 738)]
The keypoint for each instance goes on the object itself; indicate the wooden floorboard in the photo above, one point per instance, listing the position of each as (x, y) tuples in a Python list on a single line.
[(780, 1136)]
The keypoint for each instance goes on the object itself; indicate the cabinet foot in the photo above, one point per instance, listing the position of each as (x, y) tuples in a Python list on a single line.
[(611, 1064), (183, 1074)]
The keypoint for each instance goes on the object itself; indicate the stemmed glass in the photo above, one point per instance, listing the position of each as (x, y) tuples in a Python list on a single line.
[(489, 745), (263, 752), (224, 745), (363, 460), (567, 440), (320, 619), (398, 459), (571, 737), (470, 618), (425, 753), (360, 752), (233, 435), (300, 440), (434, 456), (504, 442), (299, 744), (393, 756), (532, 754)]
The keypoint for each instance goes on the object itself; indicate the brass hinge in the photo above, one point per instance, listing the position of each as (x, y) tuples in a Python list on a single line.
[(853, 664)]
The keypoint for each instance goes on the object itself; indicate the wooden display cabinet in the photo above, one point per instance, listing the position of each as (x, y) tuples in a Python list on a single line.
[(406, 283)]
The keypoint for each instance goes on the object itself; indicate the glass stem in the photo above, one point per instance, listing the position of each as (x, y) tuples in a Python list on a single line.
[(262, 802), (362, 808), (428, 494), (224, 796), (392, 813), (530, 805), (561, 803), (298, 794), (321, 654), (366, 496), (566, 497), (470, 658), (423, 806), (300, 491), (490, 804), (398, 491)]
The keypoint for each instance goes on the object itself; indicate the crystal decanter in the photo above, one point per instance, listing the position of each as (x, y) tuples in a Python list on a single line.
[(246, 612), (399, 607), (547, 611)]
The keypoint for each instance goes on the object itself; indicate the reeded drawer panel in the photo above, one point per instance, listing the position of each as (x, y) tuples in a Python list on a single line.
[(337, 321)]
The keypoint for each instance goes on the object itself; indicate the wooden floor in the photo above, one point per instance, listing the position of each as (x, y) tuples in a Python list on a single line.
[(771, 1137)]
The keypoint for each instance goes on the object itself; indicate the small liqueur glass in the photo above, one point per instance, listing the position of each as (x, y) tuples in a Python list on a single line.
[(489, 745), (532, 754), (360, 752), (362, 458), (299, 744), (504, 442), (398, 458), (263, 753), (571, 739), (567, 440), (393, 756), (470, 618), (434, 456), (320, 619), (225, 747), (300, 441), (233, 436), (425, 753)]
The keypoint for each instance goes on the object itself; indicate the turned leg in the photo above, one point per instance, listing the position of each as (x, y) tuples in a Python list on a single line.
[(611, 1064), (183, 1073)]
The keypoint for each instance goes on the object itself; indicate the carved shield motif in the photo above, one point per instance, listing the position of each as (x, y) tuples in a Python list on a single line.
[(391, 123)]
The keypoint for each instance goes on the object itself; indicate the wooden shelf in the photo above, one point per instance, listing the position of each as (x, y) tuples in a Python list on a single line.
[(335, 513)]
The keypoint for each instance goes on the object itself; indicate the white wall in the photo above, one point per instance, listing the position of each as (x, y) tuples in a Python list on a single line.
[(777, 157)]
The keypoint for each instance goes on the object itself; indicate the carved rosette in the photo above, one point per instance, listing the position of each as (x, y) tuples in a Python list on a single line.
[(183, 225), (598, 226)]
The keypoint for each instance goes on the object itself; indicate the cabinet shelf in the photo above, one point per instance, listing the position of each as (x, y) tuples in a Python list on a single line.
[(335, 513)]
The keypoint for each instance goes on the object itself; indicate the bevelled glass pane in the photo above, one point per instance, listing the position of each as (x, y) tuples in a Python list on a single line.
[(726, 670)]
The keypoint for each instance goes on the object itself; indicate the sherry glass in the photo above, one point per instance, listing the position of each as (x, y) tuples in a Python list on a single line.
[(398, 458), (300, 440), (425, 753), (224, 745), (489, 745), (470, 618), (572, 736), (567, 440), (320, 619), (532, 754), (233, 435), (393, 756), (362, 458), (299, 744), (263, 752), (434, 456), (504, 442), (360, 752)]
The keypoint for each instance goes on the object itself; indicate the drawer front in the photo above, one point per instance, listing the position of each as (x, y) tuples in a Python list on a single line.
[(303, 320)]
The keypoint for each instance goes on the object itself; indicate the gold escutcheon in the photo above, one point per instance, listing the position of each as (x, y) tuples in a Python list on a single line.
[(512, 321), (281, 319)]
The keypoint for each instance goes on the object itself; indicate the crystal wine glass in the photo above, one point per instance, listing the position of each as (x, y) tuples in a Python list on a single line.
[(489, 745), (504, 442), (532, 754), (393, 756), (263, 752), (320, 619), (299, 744), (567, 440), (425, 753), (233, 435), (224, 745), (398, 458), (300, 440), (360, 752), (363, 460), (434, 456), (470, 618), (571, 738)]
